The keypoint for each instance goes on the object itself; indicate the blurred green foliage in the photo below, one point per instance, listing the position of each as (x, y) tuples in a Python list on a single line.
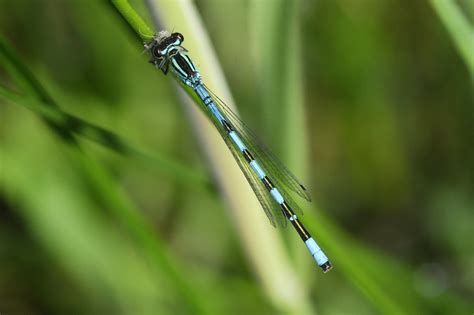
[(107, 226)]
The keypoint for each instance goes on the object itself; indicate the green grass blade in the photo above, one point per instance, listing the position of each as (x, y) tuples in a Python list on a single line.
[(459, 28), (70, 123), (108, 192), (76, 234), (280, 78), (279, 63), (138, 27)]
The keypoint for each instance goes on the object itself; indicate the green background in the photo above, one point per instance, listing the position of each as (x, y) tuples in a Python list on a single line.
[(133, 222)]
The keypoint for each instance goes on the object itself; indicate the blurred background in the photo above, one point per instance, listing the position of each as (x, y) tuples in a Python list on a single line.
[(133, 222)]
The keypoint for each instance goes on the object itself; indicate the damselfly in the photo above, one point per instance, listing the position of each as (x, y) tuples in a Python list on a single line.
[(267, 176)]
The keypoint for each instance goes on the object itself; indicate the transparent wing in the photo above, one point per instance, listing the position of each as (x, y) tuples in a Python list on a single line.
[(271, 208), (277, 170)]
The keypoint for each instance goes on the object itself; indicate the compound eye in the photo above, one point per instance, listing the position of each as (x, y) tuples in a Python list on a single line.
[(157, 52), (179, 36)]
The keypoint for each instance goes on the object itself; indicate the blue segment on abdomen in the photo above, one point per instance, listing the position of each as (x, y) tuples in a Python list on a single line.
[(216, 112), (256, 167), (277, 196), (233, 135), (316, 252), (207, 100), (201, 92)]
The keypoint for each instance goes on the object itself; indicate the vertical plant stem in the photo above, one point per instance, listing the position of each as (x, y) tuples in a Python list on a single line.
[(459, 29), (277, 56), (262, 244), (295, 138)]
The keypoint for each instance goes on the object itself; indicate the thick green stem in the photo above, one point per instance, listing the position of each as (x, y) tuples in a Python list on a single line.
[(133, 20)]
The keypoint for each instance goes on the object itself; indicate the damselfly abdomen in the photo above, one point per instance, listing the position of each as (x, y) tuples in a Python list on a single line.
[(267, 176)]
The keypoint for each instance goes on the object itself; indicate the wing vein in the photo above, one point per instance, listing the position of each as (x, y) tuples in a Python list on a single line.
[(279, 171)]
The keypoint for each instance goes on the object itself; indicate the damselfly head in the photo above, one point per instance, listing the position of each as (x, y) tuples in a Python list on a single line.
[(164, 42), (163, 48), (178, 36)]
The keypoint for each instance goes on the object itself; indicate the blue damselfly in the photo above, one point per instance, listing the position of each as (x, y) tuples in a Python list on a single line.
[(267, 176)]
